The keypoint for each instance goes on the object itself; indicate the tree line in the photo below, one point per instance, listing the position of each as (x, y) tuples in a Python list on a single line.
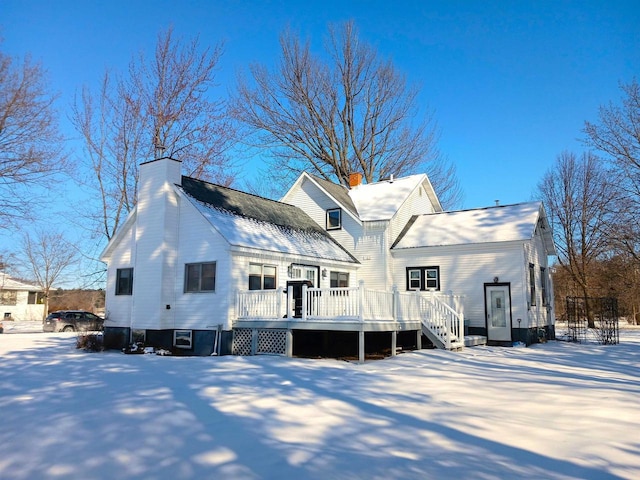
[(593, 203)]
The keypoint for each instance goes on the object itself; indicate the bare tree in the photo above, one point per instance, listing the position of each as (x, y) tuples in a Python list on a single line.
[(577, 193), (617, 135), (47, 255), (31, 147), (351, 113), (161, 107)]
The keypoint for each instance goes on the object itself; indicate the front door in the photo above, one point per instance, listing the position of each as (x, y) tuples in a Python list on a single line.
[(498, 308)]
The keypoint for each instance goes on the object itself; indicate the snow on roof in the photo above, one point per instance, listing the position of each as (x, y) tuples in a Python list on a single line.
[(249, 232), (8, 283), (381, 200), (484, 225)]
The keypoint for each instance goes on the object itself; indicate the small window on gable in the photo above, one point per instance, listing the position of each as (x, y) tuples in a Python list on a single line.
[(124, 281), (334, 219)]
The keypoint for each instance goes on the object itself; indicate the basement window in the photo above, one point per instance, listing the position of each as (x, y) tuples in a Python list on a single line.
[(183, 339)]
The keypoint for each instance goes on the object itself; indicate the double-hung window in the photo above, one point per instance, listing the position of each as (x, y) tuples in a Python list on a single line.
[(423, 278), (124, 281), (262, 277), (532, 284), (200, 277), (543, 286)]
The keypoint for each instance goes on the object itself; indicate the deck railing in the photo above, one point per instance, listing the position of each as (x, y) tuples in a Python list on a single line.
[(440, 313)]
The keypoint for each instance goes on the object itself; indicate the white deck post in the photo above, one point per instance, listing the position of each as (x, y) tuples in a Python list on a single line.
[(395, 305), (290, 305), (361, 346), (279, 302), (304, 302), (289, 343), (419, 339), (361, 303), (394, 342)]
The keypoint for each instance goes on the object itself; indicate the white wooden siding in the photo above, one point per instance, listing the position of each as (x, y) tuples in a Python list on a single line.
[(418, 203), (315, 203), (538, 315), (464, 270), (199, 242), (372, 250), (119, 307)]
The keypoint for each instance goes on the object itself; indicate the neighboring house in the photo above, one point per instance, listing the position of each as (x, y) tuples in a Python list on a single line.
[(20, 300), (214, 270)]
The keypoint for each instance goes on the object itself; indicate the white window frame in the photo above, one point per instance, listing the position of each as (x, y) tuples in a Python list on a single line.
[(331, 211), (262, 268), (184, 335)]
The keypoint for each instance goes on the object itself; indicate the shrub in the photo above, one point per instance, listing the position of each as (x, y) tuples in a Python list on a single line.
[(91, 342)]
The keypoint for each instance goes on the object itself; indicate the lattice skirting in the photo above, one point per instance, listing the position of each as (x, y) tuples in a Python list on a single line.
[(270, 341), (241, 341)]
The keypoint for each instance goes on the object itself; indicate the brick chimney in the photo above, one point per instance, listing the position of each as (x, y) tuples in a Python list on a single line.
[(355, 179)]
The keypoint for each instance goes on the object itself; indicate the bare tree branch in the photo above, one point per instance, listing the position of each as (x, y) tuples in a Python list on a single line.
[(47, 255), (31, 147), (352, 113), (162, 107)]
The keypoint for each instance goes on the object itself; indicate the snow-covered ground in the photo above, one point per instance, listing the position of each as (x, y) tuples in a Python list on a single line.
[(552, 411)]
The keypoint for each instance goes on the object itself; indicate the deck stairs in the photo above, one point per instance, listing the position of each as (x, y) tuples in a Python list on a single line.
[(444, 327)]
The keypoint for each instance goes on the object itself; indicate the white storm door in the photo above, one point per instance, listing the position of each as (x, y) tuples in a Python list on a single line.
[(498, 313)]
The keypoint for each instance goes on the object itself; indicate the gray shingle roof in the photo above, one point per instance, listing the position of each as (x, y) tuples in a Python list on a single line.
[(251, 221), (248, 205), (339, 192)]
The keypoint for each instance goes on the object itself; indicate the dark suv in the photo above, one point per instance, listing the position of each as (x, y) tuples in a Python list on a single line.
[(72, 321)]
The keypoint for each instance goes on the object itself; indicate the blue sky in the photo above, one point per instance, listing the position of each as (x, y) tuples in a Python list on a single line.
[(511, 82)]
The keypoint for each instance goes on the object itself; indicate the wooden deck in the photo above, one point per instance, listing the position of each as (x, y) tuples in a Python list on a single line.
[(353, 309)]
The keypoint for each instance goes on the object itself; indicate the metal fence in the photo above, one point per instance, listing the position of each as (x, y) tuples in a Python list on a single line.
[(593, 319)]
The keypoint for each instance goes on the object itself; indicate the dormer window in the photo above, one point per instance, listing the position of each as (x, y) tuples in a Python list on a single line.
[(334, 219)]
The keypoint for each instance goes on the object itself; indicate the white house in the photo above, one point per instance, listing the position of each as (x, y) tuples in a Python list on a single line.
[(20, 300), (206, 269)]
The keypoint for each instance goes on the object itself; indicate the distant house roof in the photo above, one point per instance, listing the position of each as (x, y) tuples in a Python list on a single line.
[(484, 225), (247, 220), (8, 283)]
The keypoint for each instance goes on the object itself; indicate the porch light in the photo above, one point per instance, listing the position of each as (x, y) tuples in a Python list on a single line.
[(324, 273), (496, 279)]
